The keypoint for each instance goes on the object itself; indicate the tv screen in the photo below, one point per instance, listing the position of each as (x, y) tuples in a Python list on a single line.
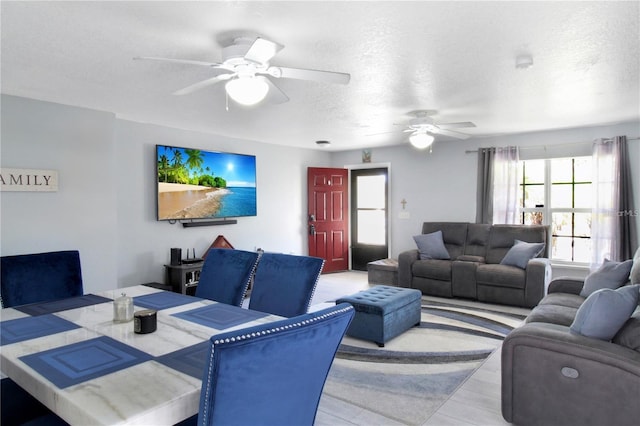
[(198, 184)]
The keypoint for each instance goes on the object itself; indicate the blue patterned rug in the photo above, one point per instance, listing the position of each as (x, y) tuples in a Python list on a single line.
[(415, 373)]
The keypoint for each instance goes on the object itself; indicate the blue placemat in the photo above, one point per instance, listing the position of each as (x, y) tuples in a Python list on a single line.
[(190, 360), (20, 329), (220, 316), (163, 300), (43, 308), (76, 363)]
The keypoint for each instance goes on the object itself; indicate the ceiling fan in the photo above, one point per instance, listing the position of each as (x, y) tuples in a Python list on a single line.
[(423, 128), (245, 67)]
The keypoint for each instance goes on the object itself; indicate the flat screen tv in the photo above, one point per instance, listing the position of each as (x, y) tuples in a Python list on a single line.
[(199, 184)]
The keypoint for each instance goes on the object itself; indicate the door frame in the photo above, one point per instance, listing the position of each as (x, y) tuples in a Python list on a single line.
[(386, 165)]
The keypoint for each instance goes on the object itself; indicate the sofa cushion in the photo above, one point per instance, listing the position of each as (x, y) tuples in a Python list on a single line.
[(432, 268), (500, 275), (521, 253), (431, 246), (605, 311), (502, 238), (454, 235), (477, 239), (553, 314), (610, 275), (629, 334)]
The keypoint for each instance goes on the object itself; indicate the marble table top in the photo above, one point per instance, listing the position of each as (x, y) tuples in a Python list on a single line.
[(90, 370)]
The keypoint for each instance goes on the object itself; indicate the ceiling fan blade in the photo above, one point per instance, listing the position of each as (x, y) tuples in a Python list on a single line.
[(456, 125), (314, 75), (202, 84), (275, 95), (378, 134), (453, 134), (261, 51), (179, 61)]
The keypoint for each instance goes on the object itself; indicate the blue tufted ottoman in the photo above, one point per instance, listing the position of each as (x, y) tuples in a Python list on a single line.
[(383, 312)]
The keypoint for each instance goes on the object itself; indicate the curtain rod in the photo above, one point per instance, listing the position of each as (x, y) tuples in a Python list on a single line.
[(471, 151)]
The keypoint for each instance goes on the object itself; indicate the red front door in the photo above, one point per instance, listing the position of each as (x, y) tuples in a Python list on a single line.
[(328, 224)]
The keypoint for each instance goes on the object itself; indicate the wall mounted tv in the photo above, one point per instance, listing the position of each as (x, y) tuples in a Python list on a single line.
[(198, 184)]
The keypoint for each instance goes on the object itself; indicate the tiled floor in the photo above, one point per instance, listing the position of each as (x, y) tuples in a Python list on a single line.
[(476, 402)]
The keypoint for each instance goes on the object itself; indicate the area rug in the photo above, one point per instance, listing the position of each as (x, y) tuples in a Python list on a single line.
[(415, 373)]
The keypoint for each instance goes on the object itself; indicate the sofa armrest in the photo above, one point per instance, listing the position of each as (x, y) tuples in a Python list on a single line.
[(549, 376), (405, 260), (569, 285), (469, 258), (538, 276)]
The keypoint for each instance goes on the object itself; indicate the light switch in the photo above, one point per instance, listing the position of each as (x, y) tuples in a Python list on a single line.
[(404, 215)]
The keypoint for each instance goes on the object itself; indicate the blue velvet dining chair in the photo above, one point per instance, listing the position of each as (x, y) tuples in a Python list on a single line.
[(284, 283), (226, 274), (274, 373), (18, 406), (41, 277), (32, 278)]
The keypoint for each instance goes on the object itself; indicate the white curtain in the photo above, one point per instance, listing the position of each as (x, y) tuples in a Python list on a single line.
[(604, 201), (612, 230), (505, 185)]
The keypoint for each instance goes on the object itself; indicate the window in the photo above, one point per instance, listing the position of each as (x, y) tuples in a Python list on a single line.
[(371, 202), (557, 192)]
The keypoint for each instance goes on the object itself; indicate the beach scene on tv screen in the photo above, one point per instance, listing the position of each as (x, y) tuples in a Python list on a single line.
[(198, 184)]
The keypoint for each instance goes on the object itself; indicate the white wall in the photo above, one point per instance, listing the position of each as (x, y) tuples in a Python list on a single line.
[(144, 243), (81, 215), (441, 186), (105, 206), (437, 186)]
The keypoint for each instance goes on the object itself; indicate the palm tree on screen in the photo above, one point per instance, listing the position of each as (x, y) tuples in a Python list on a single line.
[(194, 159)]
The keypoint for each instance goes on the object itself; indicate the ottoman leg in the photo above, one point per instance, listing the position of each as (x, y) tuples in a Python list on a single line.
[(380, 345)]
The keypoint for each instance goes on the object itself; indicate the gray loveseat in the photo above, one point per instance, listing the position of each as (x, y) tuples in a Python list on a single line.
[(473, 269), (554, 376)]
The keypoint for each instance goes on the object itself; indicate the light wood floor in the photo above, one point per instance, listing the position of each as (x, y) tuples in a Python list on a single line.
[(475, 402)]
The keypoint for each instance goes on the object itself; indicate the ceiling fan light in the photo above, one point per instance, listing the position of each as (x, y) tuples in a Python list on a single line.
[(421, 140), (247, 90)]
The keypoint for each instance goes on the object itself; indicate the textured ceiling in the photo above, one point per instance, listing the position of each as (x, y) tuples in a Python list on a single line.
[(454, 57)]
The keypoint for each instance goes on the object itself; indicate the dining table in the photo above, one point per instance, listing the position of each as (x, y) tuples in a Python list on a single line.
[(73, 357)]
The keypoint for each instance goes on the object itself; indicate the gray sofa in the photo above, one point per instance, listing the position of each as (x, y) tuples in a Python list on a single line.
[(554, 376), (474, 270)]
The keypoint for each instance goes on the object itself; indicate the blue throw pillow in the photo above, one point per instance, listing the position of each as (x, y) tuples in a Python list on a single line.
[(431, 246), (605, 311), (610, 275), (521, 253)]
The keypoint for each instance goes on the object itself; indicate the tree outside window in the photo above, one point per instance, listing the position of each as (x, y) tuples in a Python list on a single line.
[(557, 192)]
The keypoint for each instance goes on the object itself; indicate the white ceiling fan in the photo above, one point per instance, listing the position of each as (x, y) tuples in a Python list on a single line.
[(245, 67), (423, 128)]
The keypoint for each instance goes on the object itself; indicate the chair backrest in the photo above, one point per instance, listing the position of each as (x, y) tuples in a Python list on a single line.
[(31, 278), (284, 283), (226, 274), (274, 373)]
